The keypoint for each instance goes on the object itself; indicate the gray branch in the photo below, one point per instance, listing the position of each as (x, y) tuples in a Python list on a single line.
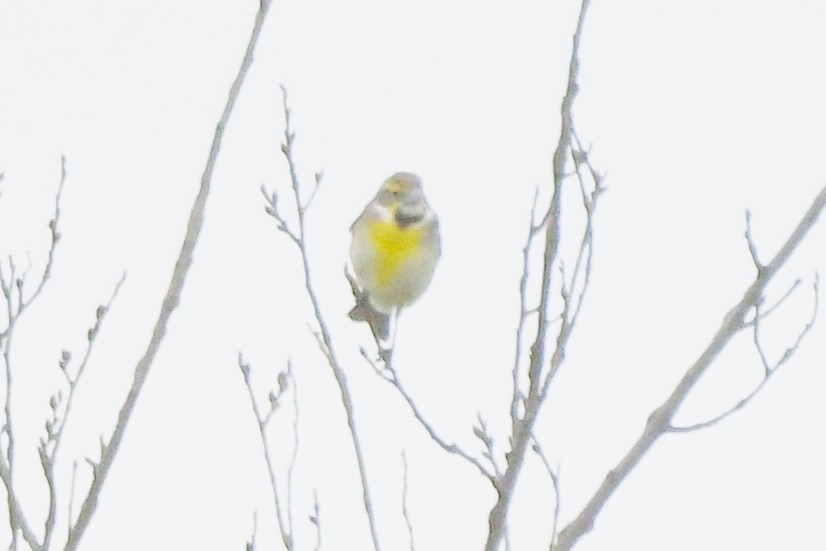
[(172, 298), (768, 369), (660, 420), (537, 390), (389, 375), (263, 420), (13, 289), (322, 335)]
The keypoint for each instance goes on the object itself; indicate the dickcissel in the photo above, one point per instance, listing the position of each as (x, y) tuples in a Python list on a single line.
[(394, 249)]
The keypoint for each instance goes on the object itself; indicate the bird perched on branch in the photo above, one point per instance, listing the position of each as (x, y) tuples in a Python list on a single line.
[(394, 250)]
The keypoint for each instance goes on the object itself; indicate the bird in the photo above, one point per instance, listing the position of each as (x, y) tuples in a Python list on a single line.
[(394, 250)]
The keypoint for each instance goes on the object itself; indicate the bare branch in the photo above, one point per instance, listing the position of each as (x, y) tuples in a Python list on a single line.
[(481, 432), (72, 498), (272, 210), (752, 246), (22, 302), (318, 177), (13, 289), (172, 298), (522, 426), (776, 305), (315, 518), (291, 467), (586, 246), (660, 420), (263, 420), (322, 336), (251, 543), (391, 377), (18, 519), (405, 512), (572, 305), (768, 370), (553, 474), (49, 448), (518, 398), (758, 345)]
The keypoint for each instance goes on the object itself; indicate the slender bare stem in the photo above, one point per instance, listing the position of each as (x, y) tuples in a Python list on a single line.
[(16, 512), (768, 370), (517, 401), (750, 241), (72, 498), (776, 305), (483, 434), (294, 456), (389, 375), (49, 448), (659, 421), (322, 336), (315, 518), (522, 426), (22, 302), (14, 292), (263, 421), (172, 298), (553, 474), (251, 542), (405, 512)]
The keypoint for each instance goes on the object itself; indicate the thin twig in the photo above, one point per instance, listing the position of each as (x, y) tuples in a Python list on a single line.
[(659, 422), (294, 456), (776, 305), (55, 428), (172, 298), (71, 499), (554, 476), (8, 292), (589, 202), (323, 336), (518, 398), (405, 512), (315, 518), (752, 247), (24, 303), (572, 306), (758, 344), (481, 432), (523, 426), (14, 286), (263, 421), (768, 370), (251, 542), (454, 449), (16, 512)]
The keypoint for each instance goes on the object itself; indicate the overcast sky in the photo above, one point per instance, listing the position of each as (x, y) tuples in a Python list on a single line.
[(696, 111)]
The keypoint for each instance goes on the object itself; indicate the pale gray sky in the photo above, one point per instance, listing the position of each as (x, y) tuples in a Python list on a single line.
[(695, 111)]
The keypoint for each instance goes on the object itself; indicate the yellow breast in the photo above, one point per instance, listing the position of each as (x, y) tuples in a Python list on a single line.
[(393, 246)]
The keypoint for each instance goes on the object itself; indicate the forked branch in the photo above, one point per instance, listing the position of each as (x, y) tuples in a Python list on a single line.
[(525, 406), (389, 375), (17, 301), (263, 418), (170, 303), (659, 422), (768, 368), (322, 335)]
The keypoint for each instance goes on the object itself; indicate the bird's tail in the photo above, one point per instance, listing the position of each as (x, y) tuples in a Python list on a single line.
[(379, 322), (364, 310)]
